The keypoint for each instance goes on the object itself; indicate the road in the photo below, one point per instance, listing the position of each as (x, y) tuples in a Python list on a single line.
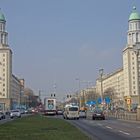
[(110, 129)]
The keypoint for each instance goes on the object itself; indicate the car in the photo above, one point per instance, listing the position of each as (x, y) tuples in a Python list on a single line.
[(15, 113), (82, 113), (59, 112), (2, 115), (98, 114)]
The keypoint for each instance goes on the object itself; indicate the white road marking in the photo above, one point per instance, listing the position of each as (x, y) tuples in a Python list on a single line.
[(124, 132), (138, 127), (109, 127), (99, 124)]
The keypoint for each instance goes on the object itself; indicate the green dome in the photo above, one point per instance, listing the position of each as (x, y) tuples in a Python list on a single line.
[(2, 18), (134, 15)]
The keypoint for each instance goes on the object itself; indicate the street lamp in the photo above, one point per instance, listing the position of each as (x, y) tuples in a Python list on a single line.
[(101, 80), (79, 92)]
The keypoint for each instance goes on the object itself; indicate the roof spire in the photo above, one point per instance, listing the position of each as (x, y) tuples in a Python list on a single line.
[(134, 8)]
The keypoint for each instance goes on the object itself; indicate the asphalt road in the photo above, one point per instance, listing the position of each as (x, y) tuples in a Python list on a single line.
[(110, 129)]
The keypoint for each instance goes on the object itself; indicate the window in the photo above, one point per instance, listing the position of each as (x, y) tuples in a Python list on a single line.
[(136, 37)]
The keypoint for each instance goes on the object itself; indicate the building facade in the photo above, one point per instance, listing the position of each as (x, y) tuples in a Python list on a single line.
[(5, 66), (131, 59), (112, 86), (125, 83), (11, 87)]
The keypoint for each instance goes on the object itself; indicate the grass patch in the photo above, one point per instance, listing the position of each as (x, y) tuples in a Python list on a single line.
[(40, 128)]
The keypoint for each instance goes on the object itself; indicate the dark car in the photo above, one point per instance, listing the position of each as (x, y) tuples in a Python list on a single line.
[(2, 115), (98, 114)]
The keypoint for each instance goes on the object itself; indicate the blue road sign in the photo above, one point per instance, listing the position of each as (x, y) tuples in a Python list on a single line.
[(107, 100)]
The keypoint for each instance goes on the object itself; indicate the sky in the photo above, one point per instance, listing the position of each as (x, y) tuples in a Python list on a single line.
[(58, 43)]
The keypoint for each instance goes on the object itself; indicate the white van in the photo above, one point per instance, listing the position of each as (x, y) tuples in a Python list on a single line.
[(71, 112)]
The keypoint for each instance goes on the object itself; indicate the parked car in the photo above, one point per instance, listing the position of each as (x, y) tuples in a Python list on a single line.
[(82, 113), (2, 115), (98, 114), (15, 113)]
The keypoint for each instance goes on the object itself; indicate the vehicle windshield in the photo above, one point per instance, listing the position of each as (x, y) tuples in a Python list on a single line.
[(73, 109), (98, 111), (14, 111), (82, 110)]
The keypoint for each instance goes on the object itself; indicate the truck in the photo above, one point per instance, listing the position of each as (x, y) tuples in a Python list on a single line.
[(50, 106)]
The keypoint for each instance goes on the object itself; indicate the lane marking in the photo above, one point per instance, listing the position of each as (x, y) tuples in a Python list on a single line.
[(124, 132), (138, 127), (109, 127), (99, 124)]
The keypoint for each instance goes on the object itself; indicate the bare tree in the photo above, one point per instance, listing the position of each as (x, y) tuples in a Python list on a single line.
[(110, 92)]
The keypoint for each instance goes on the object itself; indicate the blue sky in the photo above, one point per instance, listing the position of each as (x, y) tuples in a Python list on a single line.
[(57, 41)]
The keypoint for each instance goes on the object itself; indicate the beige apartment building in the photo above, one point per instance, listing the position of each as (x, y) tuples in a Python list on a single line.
[(112, 86)]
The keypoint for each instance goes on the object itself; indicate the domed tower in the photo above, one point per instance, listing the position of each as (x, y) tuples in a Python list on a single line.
[(3, 33), (133, 35), (5, 65), (131, 59)]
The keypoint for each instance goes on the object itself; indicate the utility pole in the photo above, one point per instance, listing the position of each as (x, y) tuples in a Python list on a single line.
[(101, 80), (79, 91)]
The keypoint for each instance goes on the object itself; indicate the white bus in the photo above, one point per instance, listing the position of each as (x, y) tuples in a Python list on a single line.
[(71, 112)]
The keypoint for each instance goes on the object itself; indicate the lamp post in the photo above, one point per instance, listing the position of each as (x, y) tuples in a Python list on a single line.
[(79, 98), (101, 80)]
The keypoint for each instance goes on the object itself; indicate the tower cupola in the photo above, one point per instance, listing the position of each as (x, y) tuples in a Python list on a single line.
[(134, 15), (2, 18), (133, 34), (3, 33)]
